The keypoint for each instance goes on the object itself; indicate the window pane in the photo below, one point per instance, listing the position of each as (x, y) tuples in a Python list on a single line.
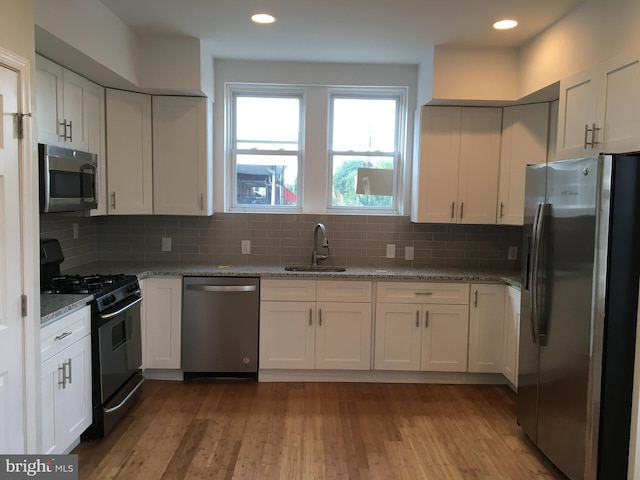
[(267, 123), (267, 179), (364, 125), (362, 181)]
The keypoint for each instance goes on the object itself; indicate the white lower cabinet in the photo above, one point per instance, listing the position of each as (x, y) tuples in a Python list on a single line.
[(421, 337), (309, 324), (486, 325), (65, 381), (511, 334), (162, 300), (421, 326)]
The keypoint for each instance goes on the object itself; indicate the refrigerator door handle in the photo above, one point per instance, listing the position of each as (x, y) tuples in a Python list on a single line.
[(536, 318), (533, 274)]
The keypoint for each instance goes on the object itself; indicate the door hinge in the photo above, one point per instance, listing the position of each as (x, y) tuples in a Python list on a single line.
[(23, 305), (20, 120)]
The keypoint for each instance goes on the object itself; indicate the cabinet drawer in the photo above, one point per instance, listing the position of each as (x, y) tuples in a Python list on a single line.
[(418, 292), (62, 333), (288, 290), (343, 291)]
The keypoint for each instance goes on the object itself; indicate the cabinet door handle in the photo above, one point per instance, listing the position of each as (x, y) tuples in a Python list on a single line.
[(418, 318), (320, 317), (69, 376), (113, 200), (593, 131), (201, 201), (70, 137), (61, 336), (63, 124), (461, 210), (475, 301), (62, 373), (501, 209), (310, 316), (426, 319), (453, 209)]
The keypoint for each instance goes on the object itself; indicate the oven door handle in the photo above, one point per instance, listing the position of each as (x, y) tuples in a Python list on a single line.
[(107, 316), (119, 406)]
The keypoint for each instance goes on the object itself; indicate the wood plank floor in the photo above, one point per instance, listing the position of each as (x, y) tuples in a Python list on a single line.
[(227, 430)]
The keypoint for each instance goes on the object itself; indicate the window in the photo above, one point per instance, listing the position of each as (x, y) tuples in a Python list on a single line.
[(363, 154), (266, 150), (349, 158)]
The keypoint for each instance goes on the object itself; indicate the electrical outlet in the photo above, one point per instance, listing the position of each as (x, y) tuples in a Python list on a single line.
[(166, 244), (408, 253), (513, 253), (245, 245), (391, 250), (75, 230)]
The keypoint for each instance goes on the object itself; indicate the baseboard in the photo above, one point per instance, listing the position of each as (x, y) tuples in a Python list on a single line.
[(376, 376)]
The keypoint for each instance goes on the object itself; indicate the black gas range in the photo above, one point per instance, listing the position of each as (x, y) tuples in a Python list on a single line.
[(116, 345)]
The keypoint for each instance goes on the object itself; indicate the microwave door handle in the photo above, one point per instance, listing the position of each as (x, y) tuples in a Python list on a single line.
[(88, 167)]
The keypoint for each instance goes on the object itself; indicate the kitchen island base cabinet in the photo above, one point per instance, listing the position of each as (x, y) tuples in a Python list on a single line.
[(320, 329)]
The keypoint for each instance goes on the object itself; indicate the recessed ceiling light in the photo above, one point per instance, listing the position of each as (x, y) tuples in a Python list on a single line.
[(505, 24), (263, 18)]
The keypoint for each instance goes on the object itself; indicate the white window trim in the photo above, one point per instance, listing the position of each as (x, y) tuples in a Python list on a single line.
[(398, 93), (230, 195), (232, 90)]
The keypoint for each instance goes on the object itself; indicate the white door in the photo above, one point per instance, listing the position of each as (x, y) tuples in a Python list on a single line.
[(398, 337), (445, 336), (11, 364)]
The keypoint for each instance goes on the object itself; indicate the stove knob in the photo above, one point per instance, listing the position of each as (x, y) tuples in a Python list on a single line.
[(132, 288), (109, 300)]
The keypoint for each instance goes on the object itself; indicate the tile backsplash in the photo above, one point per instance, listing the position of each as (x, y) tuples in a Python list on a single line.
[(354, 240)]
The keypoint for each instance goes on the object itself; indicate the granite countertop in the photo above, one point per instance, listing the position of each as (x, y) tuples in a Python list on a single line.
[(151, 269), (53, 306)]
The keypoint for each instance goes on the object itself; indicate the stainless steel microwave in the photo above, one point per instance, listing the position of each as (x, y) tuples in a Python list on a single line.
[(67, 179)]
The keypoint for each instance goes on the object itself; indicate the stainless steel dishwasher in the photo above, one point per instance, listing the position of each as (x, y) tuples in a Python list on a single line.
[(220, 327)]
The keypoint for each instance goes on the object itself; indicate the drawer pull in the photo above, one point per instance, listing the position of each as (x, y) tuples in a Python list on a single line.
[(61, 336), (424, 293)]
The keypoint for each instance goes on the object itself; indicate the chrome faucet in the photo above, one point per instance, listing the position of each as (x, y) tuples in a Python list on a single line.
[(325, 244)]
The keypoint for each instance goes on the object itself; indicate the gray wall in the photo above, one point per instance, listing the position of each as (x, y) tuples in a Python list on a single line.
[(355, 240)]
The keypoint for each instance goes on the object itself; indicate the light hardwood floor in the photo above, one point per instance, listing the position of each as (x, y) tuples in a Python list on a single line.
[(227, 430)]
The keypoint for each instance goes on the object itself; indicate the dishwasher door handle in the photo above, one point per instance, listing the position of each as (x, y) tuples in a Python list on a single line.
[(221, 288)]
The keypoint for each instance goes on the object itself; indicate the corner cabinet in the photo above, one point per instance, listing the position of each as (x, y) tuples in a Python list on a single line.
[(129, 152), (456, 170), (524, 142), (182, 156), (599, 109), (65, 381), (486, 328), (162, 310), (309, 324), (421, 326)]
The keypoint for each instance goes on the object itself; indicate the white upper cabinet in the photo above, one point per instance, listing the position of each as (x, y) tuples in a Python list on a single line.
[(456, 170), (182, 156), (129, 161), (60, 98), (95, 134), (598, 110), (524, 142)]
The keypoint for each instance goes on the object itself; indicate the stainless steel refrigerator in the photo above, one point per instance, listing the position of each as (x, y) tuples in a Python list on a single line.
[(578, 312)]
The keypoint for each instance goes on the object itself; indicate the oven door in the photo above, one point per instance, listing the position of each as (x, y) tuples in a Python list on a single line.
[(119, 345)]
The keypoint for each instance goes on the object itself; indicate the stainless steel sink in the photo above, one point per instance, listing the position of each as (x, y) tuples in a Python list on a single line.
[(314, 268)]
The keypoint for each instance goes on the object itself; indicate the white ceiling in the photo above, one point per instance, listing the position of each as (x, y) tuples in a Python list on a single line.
[(368, 31)]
